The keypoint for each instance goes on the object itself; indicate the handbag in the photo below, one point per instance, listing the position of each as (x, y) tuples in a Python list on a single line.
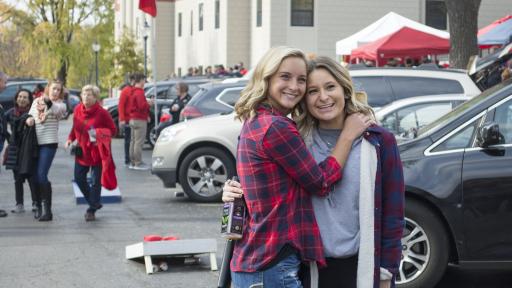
[(76, 150)]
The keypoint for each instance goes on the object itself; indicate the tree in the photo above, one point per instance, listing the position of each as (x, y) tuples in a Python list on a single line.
[(127, 59), (12, 61), (50, 26), (463, 21)]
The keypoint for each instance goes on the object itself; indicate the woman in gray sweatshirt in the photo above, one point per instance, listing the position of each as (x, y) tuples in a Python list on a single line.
[(45, 112)]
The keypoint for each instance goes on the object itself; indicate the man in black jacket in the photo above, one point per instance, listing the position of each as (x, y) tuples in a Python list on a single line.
[(3, 124), (179, 103)]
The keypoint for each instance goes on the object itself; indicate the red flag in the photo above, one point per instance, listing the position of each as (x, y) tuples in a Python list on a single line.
[(148, 6)]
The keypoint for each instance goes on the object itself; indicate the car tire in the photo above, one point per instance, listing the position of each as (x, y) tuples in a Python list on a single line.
[(203, 171), (150, 129), (425, 248), (152, 137)]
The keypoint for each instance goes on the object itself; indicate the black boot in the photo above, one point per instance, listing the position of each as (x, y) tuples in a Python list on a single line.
[(46, 194), (38, 210)]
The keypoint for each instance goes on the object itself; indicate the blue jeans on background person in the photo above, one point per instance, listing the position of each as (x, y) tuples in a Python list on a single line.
[(127, 138), (91, 192), (44, 162), (284, 274)]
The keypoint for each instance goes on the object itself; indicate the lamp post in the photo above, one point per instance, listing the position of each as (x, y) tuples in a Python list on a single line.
[(96, 48), (145, 35)]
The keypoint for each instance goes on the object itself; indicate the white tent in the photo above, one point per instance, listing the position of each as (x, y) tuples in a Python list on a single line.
[(386, 25)]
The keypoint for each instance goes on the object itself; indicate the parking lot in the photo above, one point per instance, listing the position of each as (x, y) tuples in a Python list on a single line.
[(69, 252)]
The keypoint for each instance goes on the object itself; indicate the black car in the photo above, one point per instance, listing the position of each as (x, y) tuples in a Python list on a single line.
[(15, 84), (213, 98), (458, 181)]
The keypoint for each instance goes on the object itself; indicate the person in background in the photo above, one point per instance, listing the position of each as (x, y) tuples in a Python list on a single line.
[(46, 112), (179, 103), (88, 117), (139, 117), (3, 124), (16, 117), (279, 173), (38, 91), (354, 220), (124, 117)]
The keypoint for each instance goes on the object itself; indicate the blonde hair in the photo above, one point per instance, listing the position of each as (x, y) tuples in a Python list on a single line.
[(93, 89), (256, 91), (355, 102)]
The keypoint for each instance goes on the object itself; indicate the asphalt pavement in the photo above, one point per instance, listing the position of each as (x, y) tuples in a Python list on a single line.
[(69, 252)]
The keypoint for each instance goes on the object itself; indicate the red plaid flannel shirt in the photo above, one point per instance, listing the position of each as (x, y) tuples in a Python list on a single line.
[(277, 172)]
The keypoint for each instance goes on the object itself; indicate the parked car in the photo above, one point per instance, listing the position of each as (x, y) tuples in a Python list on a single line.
[(404, 117), (15, 84), (213, 98), (458, 182), (385, 85)]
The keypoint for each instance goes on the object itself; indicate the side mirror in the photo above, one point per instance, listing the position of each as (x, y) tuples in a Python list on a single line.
[(489, 134)]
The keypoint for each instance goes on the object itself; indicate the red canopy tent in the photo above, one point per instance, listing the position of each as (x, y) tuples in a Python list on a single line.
[(404, 42)]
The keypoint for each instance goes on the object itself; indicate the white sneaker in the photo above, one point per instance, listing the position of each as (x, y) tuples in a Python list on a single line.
[(18, 209), (141, 166), (130, 166)]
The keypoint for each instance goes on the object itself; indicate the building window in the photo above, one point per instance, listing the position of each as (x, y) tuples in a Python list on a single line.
[(217, 14), (303, 13), (179, 24), (200, 16), (258, 13), (436, 15), (191, 23)]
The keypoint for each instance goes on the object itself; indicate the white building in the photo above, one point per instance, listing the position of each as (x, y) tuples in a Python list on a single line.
[(201, 33)]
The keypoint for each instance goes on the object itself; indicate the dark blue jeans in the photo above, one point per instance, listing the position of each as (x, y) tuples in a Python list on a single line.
[(92, 191), (46, 155), (127, 137), (282, 275)]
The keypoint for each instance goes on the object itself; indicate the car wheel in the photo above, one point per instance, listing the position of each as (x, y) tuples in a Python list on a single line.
[(152, 137), (203, 173), (149, 131), (425, 248)]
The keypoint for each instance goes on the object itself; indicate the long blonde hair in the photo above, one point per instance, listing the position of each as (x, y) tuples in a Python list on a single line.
[(256, 91), (353, 100)]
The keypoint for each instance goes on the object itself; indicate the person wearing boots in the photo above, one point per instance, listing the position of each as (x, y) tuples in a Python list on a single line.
[(88, 118), (16, 118), (45, 112)]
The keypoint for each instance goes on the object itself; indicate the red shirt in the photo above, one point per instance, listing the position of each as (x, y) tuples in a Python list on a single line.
[(123, 103), (138, 105), (83, 119), (277, 172)]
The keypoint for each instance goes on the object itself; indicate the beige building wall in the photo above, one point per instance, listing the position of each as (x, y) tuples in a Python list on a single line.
[(238, 39), (226, 45)]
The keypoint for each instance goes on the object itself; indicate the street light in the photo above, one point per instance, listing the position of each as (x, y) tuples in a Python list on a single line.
[(145, 34), (96, 48)]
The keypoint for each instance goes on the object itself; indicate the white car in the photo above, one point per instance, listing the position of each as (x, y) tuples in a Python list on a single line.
[(404, 117)]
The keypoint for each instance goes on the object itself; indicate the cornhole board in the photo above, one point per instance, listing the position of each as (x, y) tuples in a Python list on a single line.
[(174, 248), (107, 196)]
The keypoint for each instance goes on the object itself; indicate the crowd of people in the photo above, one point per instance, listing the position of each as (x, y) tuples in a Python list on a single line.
[(32, 140), (216, 71)]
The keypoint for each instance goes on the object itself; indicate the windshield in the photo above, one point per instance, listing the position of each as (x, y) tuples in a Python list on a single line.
[(434, 126)]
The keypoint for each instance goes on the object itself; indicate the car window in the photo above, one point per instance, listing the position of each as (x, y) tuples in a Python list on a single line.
[(378, 90), (389, 122), (405, 87), (415, 116), (8, 93), (230, 96), (459, 140), (503, 117), (161, 92), (29, 87)]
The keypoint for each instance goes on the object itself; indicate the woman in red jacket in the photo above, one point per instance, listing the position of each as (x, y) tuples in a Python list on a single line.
[(87, 118)]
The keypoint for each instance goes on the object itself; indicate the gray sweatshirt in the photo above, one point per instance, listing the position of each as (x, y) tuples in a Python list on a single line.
[(337, 214)]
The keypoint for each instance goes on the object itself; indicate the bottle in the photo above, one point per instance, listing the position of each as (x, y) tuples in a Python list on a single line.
[(233, 218)]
